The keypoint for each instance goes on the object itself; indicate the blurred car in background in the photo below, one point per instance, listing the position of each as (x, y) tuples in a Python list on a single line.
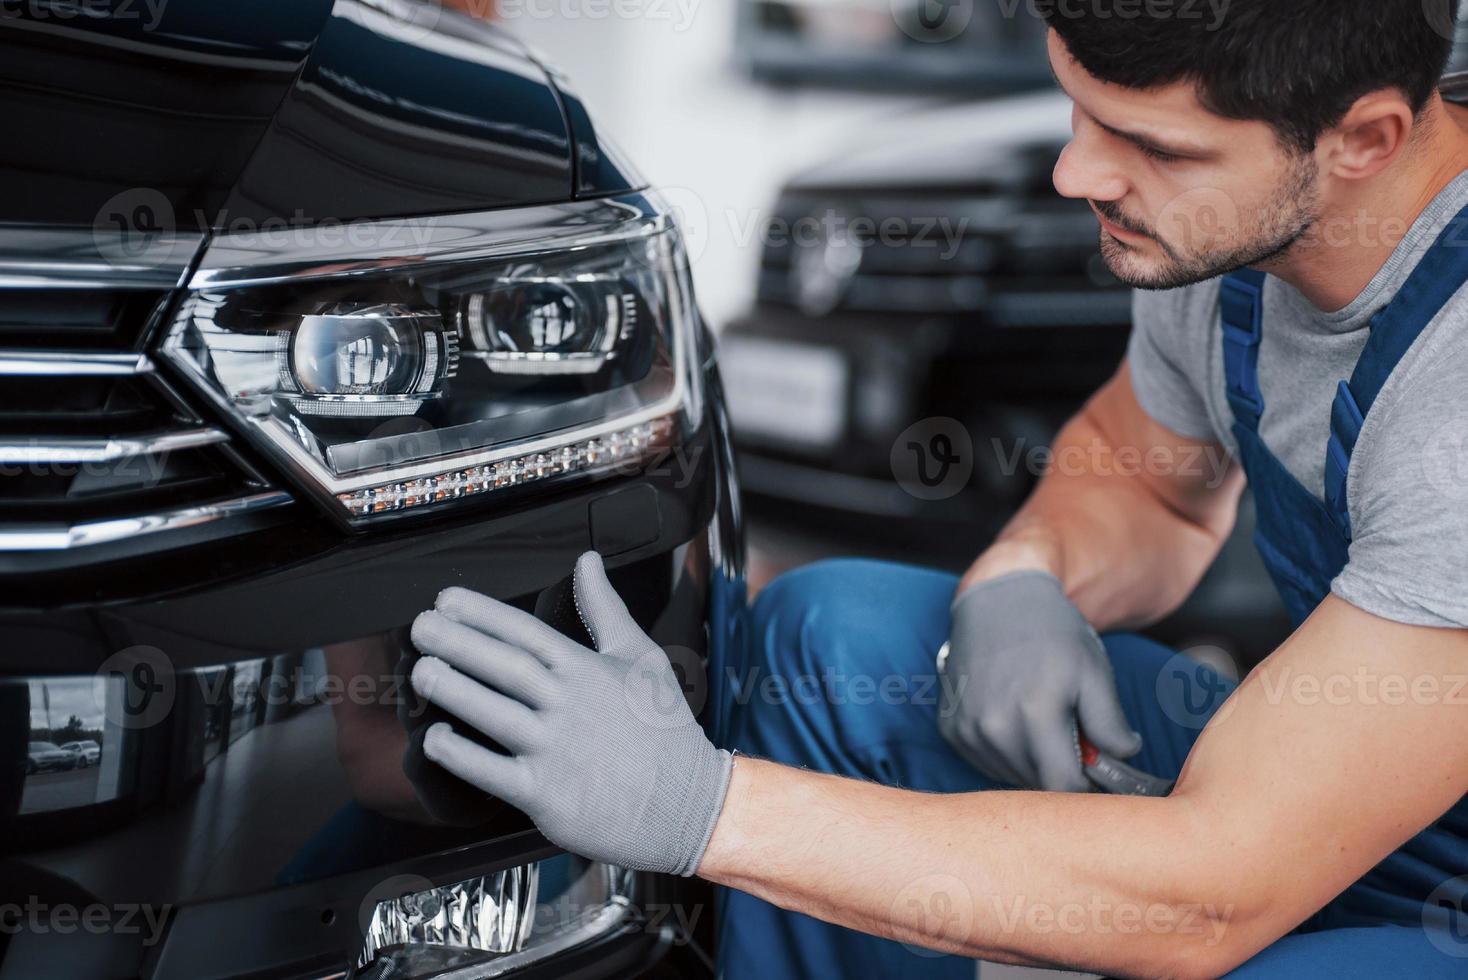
[(893, 45), (932, 272), (48, 757), (87, 752)]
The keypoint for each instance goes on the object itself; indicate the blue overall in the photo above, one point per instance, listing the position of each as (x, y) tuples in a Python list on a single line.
[(840, 679)]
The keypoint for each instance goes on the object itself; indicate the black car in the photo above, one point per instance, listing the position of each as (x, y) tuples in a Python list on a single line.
[(928, 296), (310, 309)]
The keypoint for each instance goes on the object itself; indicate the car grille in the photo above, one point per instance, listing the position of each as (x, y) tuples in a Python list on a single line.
[(95, 445), (1024, 260)]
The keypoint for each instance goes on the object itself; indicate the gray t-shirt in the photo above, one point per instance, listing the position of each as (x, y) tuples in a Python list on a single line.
[(1408, 483)]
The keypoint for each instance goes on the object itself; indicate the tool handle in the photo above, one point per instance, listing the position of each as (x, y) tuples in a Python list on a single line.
[(1111, 775)]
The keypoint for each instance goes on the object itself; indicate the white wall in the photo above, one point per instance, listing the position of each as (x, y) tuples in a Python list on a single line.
[(664, 84)]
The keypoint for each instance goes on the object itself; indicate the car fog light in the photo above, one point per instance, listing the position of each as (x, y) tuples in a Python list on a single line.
[(495, 924)]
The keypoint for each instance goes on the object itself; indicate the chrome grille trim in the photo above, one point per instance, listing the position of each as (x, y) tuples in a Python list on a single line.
[(82, 449), (73, 364), (69, 537), (44, 257)]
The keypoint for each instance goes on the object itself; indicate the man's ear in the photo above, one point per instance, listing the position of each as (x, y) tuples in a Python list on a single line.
[(1371, 137)]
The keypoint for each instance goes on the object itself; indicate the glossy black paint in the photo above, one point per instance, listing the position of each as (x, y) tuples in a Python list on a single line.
[(437, 114), (173, 101), (277, 762), (294, 110), (250, 785), (600, 167)]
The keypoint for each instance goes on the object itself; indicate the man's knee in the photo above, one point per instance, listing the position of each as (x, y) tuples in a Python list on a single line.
[(850, 615), (1132, 652), (1187, 689), (842, 676)]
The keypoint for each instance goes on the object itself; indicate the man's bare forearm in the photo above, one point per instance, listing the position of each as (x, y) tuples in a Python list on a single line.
[(1128, 517), (1075, 880)]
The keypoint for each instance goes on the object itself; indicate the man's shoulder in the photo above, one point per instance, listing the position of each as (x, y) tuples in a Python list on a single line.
[(1408, 485), (1432, 375)]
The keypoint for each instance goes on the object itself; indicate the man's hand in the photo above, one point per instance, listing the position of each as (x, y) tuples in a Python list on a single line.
[(1023, 666), (603, 752)]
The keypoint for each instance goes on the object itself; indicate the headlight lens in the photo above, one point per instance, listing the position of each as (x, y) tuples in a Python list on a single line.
[(400, 383)]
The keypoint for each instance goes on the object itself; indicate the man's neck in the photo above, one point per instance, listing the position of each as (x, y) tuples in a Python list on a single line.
[(1350, 243)]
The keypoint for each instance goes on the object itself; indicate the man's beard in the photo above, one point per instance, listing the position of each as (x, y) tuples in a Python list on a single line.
[(1279, 225)]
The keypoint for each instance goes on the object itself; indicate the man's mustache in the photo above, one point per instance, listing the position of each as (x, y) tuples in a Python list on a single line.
[(1111, 211)]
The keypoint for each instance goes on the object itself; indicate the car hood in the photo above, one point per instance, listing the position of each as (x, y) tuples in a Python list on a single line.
[(295, 109), (1006, 142)]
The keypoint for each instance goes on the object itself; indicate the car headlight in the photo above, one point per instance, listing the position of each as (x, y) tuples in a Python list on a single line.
[(402, 365)]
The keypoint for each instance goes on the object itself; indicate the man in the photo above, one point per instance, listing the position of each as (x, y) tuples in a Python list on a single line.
[(1318, 826)]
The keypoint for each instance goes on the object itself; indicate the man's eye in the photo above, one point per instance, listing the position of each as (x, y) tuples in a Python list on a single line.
[(1162, 156)]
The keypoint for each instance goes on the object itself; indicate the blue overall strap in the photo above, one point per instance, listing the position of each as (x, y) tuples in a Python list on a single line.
[(1438, 276), (1241, 305)]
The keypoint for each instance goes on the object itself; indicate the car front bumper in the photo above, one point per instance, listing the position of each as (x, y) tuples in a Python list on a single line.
[(248, 689)]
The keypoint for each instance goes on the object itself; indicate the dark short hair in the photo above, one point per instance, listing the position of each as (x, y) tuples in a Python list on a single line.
[(1298, 65)]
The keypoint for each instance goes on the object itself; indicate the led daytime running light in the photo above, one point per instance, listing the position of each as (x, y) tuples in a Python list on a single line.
[(617, 448)]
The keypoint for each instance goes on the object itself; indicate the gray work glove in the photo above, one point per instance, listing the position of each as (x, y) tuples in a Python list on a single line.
[(603, 752), (1023, 666)]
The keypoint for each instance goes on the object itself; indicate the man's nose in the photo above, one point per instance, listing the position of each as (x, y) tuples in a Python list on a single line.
[(1084, 172)]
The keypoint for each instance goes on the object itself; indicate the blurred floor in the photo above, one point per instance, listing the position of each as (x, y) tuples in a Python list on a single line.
[(776, 549)]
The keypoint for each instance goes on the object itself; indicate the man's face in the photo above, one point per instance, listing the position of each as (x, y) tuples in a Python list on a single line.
[(1183, 194)]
